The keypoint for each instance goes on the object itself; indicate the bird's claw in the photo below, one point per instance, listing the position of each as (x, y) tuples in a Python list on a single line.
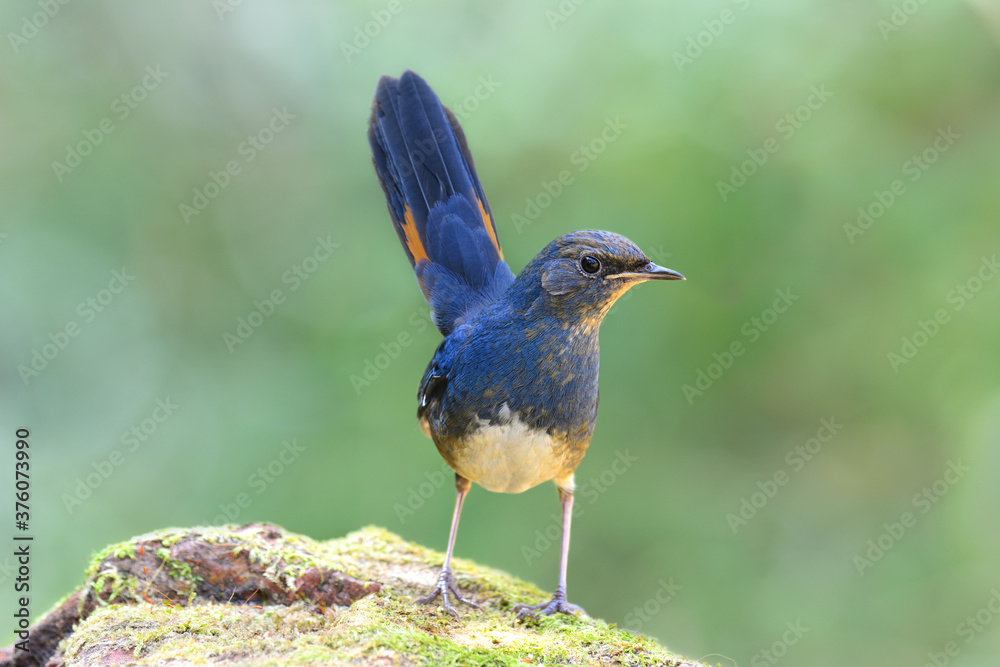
[(446, 585), (557, 604)]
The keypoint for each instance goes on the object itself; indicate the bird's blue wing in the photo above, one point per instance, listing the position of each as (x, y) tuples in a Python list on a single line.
[(435, 200)]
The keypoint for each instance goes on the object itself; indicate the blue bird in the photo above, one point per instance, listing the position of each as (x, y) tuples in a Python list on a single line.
[(510, 397)]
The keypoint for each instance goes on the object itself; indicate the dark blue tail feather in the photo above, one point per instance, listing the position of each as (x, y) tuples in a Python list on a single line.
[(436, 202)]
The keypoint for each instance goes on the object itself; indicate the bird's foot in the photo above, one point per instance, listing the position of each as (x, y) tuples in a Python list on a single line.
[(445, 587), (558, 604)]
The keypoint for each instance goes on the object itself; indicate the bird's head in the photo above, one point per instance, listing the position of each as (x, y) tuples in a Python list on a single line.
[(586, 272)]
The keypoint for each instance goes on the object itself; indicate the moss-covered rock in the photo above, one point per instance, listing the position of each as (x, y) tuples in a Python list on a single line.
[(258, 595)]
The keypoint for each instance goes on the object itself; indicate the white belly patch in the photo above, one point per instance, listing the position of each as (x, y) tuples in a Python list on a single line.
[(510, 457)]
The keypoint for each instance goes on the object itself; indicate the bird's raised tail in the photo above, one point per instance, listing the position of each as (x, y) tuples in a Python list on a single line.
[(435, 200)]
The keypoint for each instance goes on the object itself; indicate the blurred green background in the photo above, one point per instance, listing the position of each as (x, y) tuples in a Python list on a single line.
[(805, 110)]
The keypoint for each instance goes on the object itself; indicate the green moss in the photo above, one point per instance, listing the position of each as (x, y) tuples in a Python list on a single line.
[(120, 551), (385, 628), (176, 570), (119, 583)]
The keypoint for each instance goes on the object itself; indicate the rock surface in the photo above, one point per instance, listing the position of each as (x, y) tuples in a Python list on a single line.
[(257, 595)]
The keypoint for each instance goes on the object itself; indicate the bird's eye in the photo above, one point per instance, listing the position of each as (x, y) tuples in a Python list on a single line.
[(590, 264)]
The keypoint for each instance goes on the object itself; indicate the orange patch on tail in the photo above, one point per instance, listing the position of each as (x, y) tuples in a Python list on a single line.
[(488, 223), (413, 243)]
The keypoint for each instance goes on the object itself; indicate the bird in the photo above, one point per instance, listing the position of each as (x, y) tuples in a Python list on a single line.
[(510, 396)]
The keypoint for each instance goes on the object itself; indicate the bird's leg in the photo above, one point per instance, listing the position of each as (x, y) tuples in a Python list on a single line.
[(558, 602), (446, 581)]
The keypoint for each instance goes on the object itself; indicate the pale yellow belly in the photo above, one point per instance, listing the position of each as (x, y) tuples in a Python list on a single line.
[(511, 458)]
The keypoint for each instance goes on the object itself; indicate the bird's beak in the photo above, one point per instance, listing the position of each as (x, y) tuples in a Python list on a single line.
[(650, 272)]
